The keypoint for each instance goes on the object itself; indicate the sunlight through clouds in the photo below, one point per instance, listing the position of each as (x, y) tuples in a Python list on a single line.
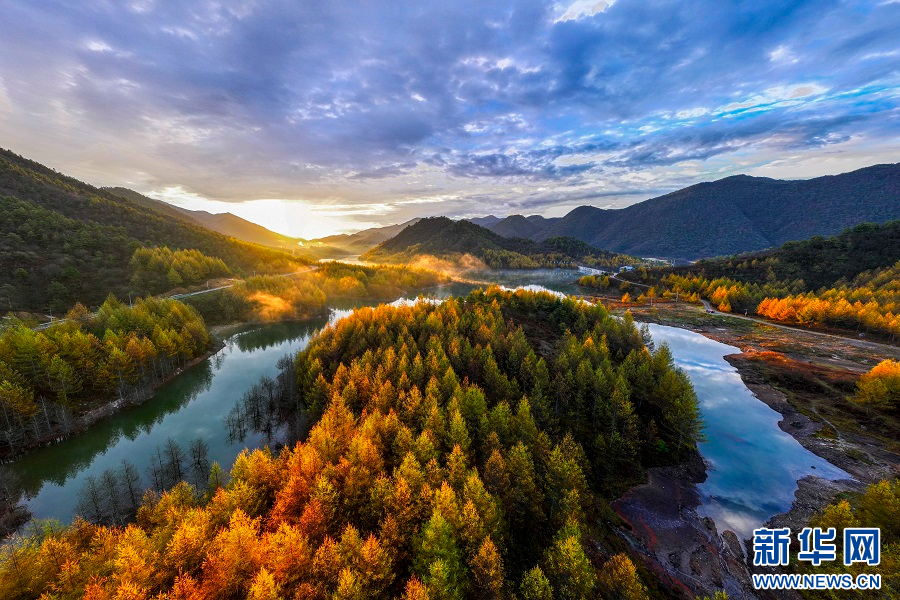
[(451, 108)]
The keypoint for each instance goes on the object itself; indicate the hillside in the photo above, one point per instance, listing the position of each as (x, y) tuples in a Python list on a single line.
[(487, 221), (819, 262), (731, 215), (63, 241), (447, 239), (847, 282), (520, 226), (224, 223), (352, 244)]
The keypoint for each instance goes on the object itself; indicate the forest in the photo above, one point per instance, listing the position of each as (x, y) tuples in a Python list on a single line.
[(462, 449), (305, 294), (848, 282), (49, 378), (63, 241), (156, 270)]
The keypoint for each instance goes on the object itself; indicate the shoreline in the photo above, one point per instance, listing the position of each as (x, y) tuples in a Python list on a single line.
[(674, 542), (684, 548), (113, 407)]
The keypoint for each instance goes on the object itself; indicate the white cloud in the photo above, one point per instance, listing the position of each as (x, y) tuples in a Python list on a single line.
[(583, 8), (782, 54), (774, 97), (97, 46), (6, 105), (692, 113)]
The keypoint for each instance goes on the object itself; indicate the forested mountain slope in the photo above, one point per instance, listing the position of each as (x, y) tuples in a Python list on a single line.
[(731, 215), (849, 282), (224, 223), (63, 241), (357, 243)]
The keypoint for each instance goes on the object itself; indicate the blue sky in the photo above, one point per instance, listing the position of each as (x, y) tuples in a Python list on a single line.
[(312, 117)]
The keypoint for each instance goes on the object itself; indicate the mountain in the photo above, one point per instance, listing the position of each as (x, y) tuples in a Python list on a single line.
[(353, 244), (451, 240), (487, 221), (62, 240), (520, 226), (848, 282), (731, 215), (224, 223)]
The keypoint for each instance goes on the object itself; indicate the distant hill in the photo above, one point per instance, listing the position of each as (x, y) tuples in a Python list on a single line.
[(487, 221), (354, 244), (62, 240), (729, 216), (224, 223), (520, 226), (450, 240), (848, 282)]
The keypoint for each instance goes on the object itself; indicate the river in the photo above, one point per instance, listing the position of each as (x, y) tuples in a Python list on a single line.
[(754, 466)]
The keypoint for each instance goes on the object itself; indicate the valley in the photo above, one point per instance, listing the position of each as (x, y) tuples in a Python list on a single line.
[(170, 421)]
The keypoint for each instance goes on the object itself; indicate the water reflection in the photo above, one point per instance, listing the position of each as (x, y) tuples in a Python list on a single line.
[(754, 465), (61, 462), (193, 405)]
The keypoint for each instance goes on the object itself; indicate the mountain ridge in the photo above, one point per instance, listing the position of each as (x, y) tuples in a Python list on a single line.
[(64, 241), (445, 238), (225, 223), (740, 213)]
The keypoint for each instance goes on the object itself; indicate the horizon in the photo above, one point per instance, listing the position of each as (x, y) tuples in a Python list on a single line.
[(265, 111), (530, 214)]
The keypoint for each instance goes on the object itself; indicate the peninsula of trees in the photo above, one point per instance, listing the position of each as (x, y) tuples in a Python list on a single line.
[(460, 449)]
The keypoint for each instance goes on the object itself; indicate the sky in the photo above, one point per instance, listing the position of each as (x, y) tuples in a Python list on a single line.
[(313, 118)]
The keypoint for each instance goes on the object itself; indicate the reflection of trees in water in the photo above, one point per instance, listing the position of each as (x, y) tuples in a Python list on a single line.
[(266, 337), (74, 455), (271, 408), (12, 515), (114, 497)]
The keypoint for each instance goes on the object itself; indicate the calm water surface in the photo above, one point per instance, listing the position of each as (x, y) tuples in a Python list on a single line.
[(754, 466)]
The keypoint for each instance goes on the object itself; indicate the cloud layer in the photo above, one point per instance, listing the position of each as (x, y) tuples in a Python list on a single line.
[(382, 111)]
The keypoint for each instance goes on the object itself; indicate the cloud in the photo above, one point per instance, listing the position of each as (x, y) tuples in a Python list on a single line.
[(444, 104)]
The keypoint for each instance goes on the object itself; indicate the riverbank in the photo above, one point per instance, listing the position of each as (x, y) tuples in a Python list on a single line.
[(674, 541), (92, 417), (806, 379)]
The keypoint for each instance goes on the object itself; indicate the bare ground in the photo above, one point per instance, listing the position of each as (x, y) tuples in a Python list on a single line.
[(664, 527)]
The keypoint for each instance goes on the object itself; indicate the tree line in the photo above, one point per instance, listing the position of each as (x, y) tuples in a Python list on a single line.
[(48, 378), (453, 450), (114, 496), (306, 294), (158, 269)]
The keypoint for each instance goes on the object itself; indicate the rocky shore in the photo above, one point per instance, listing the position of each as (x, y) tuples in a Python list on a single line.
[(686, 550)]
